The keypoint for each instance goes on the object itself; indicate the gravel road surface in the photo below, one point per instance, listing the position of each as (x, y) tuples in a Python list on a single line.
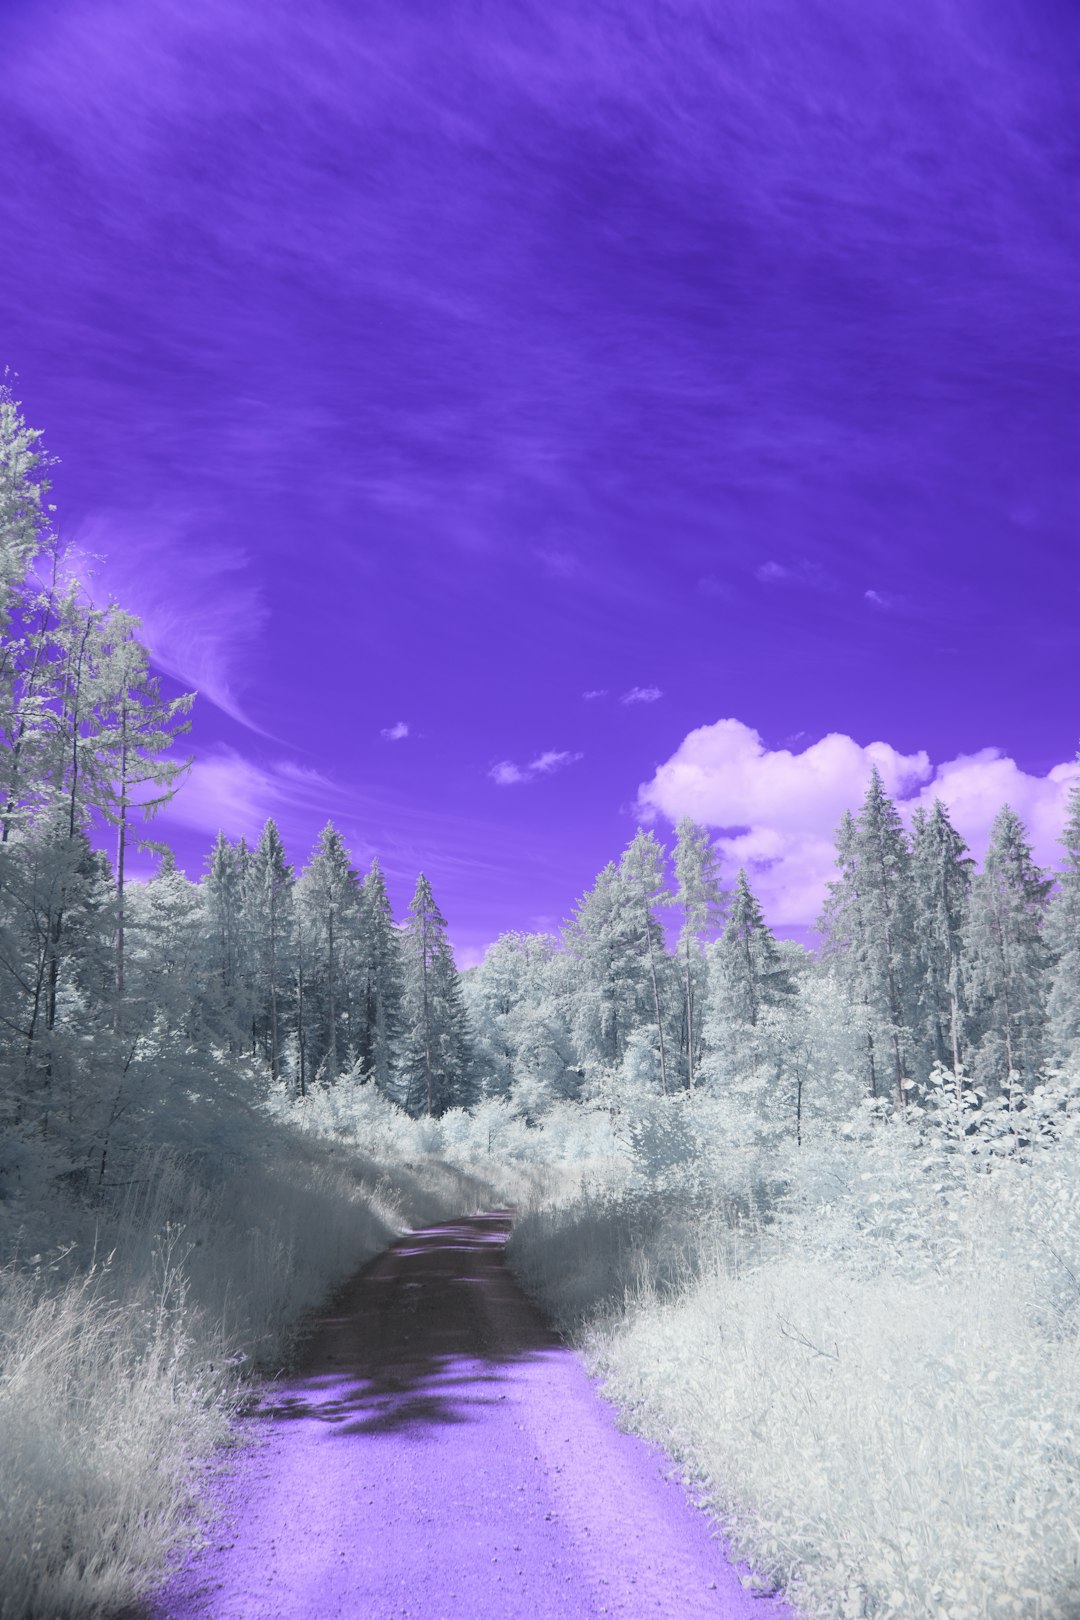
[(439, 1454)]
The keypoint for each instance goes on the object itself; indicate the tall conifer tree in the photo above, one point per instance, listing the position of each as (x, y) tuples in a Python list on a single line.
[(435, 1069), (1064, 938), (1005, 945)]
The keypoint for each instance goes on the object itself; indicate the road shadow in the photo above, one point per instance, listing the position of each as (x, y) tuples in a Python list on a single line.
[(424, 1334)]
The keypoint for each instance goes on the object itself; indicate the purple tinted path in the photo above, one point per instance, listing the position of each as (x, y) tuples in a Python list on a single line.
[(440, 1455)]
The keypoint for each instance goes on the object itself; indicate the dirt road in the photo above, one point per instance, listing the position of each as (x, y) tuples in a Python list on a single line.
[(440, 1455)]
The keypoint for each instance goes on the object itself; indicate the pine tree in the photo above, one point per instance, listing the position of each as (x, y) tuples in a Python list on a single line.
[(435, 1068), (702, 900), (1005, 945), (1063, 934)]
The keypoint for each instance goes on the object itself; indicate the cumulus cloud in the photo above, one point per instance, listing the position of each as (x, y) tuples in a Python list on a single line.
[(776, 811), (598, 692), (641, 694), (507, 774), (395, 733)]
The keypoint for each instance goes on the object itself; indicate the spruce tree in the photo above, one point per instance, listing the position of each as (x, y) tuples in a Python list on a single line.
[(1008, 955), (436, 1060), (223, 916), (380, 982), (327, 897), (1063, 933), (271, 926), (941, 886), (868, 928)]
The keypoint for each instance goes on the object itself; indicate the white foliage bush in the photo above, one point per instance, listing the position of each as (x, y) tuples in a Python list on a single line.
[(877, 1380)]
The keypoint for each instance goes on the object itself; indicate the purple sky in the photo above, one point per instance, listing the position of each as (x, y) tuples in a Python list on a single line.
[(440, 364)]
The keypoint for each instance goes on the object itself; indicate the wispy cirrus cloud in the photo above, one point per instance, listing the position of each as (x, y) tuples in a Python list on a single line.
[(227, 792), (642, 694), (596, 692), (507, 774), (883, 601), (395, 733), (804, 572), (200, 609), (776, 811)]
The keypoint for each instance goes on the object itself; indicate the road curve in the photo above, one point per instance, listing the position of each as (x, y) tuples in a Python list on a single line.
[(438, 1454)]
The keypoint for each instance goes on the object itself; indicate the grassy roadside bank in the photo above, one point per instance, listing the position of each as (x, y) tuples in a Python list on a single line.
[(875, 1381), (128, 1344)]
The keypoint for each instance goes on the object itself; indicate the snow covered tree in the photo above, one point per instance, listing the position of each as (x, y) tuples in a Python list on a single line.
[(702, 901), (1063, 936), (1008, 958), (435, 1068)]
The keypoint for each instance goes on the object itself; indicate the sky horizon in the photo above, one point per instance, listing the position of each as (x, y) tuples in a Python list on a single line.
[(516, 424)]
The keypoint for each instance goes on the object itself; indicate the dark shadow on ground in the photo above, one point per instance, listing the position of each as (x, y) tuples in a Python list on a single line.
[(408, 1341)]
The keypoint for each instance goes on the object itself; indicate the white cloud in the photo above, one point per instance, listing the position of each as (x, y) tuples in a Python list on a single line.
[(599, 692), (641, 694), (396, 732), (506, 773), (777, 811)]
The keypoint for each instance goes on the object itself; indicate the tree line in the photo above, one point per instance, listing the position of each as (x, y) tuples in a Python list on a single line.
[(122, 1004)]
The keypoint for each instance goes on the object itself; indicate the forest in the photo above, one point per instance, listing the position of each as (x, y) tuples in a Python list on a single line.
[(845, 1178)]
